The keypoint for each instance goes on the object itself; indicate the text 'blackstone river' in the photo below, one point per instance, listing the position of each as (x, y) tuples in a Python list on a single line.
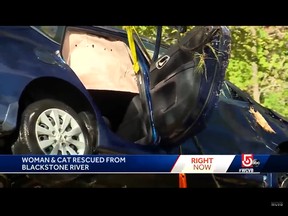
[(67, 163)]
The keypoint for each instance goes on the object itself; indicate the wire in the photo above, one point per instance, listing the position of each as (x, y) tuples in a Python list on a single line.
[(158, 43), (202, 152)]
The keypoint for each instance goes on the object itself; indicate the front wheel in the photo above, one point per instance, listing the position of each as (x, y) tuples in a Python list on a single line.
[(51, 127)]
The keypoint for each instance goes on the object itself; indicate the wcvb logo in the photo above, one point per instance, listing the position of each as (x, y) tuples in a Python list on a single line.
[(247, 160)]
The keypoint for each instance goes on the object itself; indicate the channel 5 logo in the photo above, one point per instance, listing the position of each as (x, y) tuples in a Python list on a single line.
[(247, 160)]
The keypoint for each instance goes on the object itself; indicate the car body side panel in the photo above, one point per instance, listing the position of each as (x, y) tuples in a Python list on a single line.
[(233, 129), (23, 61)]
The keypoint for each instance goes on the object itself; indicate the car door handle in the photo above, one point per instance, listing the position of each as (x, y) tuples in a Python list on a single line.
[(162, 61)]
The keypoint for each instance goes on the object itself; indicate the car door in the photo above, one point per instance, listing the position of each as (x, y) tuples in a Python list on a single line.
[(185, 82)]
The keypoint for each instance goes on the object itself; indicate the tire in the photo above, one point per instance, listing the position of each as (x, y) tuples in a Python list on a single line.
[(38, 121), (4, 181), (91, 125)]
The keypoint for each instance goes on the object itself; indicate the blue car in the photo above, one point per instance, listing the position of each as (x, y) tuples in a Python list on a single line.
[(90, 90)]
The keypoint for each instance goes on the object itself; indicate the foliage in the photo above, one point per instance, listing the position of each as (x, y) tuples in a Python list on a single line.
[(265, 46)]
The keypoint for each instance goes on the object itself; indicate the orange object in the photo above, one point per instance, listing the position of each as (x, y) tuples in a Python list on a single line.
[(182, 180)]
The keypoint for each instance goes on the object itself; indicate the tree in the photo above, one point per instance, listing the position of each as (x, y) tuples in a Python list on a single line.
[(259, 63)]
